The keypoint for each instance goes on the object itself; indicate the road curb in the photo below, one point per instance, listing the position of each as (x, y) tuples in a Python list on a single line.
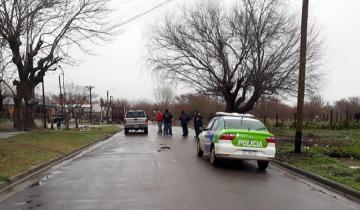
[(36, 170), (332, 185)]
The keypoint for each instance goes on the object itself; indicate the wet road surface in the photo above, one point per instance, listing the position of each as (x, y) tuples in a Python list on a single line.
[(156, 172)]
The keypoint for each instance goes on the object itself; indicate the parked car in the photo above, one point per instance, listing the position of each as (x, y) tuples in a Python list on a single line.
[(135, 120), (236, 136)]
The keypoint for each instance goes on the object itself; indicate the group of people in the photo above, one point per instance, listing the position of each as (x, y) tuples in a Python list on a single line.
[(165, 120)]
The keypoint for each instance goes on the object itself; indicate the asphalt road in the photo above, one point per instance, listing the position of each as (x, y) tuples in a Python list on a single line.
[(152, 172)]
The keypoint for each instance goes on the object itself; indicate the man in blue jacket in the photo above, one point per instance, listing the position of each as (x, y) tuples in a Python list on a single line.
[(184, 119), (167, 123), (198, 124)]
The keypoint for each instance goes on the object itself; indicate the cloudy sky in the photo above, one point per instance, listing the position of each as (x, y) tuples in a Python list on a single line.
[(119, 66)]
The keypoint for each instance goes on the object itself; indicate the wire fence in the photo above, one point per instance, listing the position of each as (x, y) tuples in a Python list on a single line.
[(326, 119)]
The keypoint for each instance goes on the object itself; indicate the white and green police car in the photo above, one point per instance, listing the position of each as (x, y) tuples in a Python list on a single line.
[(237, 136)]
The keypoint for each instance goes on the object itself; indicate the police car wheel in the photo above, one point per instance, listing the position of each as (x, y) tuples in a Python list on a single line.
[(262, 164), (213, 159), (199, 151)]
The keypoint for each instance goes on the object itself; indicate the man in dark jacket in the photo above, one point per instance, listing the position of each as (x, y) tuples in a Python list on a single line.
[(184, 120), (198, 124), (167, 123)]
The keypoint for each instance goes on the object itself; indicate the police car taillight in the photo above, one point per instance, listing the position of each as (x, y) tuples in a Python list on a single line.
[(228, 137), (271, 140)]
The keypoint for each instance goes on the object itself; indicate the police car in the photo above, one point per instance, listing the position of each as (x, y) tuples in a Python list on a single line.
[(236, 136)]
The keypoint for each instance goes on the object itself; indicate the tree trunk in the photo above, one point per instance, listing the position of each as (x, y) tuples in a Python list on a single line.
[(230, 102), (29, 123), (29, 94), (76, 120), (230, 107), (76, 123), (2, 109), (17, 113), (24, 119), (246, 106)]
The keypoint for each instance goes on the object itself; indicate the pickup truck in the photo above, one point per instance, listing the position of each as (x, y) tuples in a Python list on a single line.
[(135, 120)]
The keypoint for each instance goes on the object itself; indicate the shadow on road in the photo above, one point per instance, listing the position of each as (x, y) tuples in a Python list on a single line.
[(136, 133), (240, 165)]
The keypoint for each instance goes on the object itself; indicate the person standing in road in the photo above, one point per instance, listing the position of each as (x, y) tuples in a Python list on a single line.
[(198, 124), (167, 123), (184, 119), (159, 117)]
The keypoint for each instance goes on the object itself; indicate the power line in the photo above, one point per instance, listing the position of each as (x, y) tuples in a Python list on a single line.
[(145, 12), (139, 8)]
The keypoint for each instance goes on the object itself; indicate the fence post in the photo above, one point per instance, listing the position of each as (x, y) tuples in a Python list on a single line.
[(277, 120), (337, 117), (331, 118)]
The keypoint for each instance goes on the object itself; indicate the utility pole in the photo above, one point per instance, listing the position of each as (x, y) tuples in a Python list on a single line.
[(90, 90), (44, 106), (301, 88), (110, 108), (61, 98), (107, 106), (65, 110)]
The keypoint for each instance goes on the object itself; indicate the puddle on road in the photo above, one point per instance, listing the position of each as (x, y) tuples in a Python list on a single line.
[(36, 206), (163, 148), (22, 203), (47, 177), (29, 202), (42, 181), (56, 172), (39, 183)]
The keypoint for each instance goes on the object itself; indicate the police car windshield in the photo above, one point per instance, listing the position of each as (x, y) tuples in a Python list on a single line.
[(244, 124), (135, 115)]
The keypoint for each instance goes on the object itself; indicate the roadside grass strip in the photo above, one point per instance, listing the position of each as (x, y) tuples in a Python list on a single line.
[(334, 154), (22, 152)]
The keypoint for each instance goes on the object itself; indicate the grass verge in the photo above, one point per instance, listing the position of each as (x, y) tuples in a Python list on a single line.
[(334, 154), (20, 153)]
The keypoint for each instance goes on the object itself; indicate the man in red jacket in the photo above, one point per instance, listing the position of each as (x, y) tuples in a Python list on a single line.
[(159, 117)]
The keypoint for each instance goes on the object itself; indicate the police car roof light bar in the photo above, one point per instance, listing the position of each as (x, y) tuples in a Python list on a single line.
[(234, 114)]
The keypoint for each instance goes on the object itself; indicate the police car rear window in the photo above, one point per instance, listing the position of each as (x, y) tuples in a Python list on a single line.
[(135, 115), (244, 124)]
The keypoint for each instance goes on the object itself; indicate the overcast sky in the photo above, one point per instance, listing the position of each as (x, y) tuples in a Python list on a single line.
[(119, 66)]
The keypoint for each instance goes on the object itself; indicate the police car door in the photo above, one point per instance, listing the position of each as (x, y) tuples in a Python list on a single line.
[(209, 136)]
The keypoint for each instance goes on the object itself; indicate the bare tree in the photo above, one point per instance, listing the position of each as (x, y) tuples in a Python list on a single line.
[(350, 105), (40, 35), (75, 100), (241, 55), (164, 95), (6, 75), (314, 107)]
